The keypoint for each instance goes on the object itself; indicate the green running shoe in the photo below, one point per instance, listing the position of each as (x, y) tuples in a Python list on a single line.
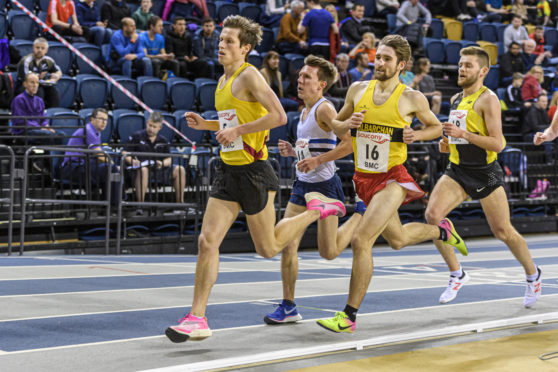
[(339, 323), (453, 237)]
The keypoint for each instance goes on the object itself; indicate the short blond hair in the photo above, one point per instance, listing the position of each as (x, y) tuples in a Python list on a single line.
[(326, 70), (249, 32), (481, 54)]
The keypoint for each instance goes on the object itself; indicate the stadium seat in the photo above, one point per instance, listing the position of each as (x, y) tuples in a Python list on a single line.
[(255, 60), (491, 49), (29, 4), (500, 28), (92, 90), (127, 123), (119, 99), (182, 93), (225, 9), (65, 122), (551, 37), (182, 10), (67, 89), (492, 78), (293, 118), (434, 50), (199, 81), (296, 61), (268, 41), (454, 29), (3, 24), (165, 131), (471, 31), (452, 52), (24, 47), (153, 92), (212, 10), (61, 55), (156, 9), (43, 5), (488, 32), (193, 134), (92, 52), (250, 11), (22, 26), (207, 96), (437, 27), (106, 134), (277, 133)]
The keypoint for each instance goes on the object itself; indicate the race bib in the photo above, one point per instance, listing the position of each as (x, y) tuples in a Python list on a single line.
[(229, 119), (372, 151), (459, 118), (302, 150)]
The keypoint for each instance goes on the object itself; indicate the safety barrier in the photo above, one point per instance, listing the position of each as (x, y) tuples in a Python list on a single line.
[(7, 194)]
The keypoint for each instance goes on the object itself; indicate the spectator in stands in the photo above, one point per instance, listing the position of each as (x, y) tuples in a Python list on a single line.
[(496, 11), (552, 106), (361, 71), (352, 28), (126, 51), (149, 140), (513, 97), (425, 84), (153, 44), (73, 166), (142, 14), (113, 13), (289, 40), (335, 42), (344, 79), (384, 7), (58, 18), (274, 11), (318, 21), (409, 23), (530, 59), (531, 88), (88, 15), (543, 13), (536, 120), (206, 44), (179, 42), (519, 8), (515, 32), (538, 36), (406, 76), (44, 66), (367, 45), (271, 73), (200, 9), (29, 103), (463, 10)]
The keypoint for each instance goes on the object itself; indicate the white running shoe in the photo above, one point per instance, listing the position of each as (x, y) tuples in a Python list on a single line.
[(533, 291), (454, 286)]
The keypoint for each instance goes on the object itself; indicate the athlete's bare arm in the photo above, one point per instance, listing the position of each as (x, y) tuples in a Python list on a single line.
[(250, 85), (347, 118), (344, 148), (488, 107), (415, 103), (549, 133), (195, 121)]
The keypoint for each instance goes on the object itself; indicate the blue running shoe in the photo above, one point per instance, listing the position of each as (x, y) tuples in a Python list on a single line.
[(283, 314)]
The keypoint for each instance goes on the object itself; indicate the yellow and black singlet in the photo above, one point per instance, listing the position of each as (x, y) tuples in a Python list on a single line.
[(378, 142), (463, 115), (232, 111)]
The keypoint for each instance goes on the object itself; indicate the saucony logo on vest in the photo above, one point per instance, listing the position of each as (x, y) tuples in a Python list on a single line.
[(227, 116), (459, 115)]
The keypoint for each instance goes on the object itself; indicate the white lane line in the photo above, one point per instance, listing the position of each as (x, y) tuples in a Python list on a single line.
[(257, 326)]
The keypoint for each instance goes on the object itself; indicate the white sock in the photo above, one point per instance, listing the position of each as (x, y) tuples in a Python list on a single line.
[(532, 278), (457, 273)]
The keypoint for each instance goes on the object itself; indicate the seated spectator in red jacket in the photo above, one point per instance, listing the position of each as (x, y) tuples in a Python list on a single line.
[(531, 88), (58, 18)]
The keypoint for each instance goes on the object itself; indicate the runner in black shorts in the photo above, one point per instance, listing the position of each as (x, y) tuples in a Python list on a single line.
[(474, 139)]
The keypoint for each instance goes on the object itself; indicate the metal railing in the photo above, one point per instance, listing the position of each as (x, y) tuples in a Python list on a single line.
[(9, 198)]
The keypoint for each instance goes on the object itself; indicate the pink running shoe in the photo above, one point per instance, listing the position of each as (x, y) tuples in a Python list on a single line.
[(326, 206), (189, 328)]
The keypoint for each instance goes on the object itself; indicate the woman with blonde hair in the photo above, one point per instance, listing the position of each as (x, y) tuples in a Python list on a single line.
[(531, 88), (272, 74), (367, 45)]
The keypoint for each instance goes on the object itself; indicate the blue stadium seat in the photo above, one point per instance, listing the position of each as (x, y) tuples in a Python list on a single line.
[(492, 78), (500, 30), (437, 27), (268, 41), (488, 32), (182, 10), (293, 118), (250, 11), (127, 123), (3, 24), (43, 5), (119, 99), (296, 61), (212, 10), (70, 119), (434, 50), (106, 134), (471, 31), (182, 93), (277, 133), (61, 55), (92, 52), (67, 89), (153, 92), (207, 96), (93, 90), (193, 134), (255, 60), (225, 9), (157, 8), (24, 47), (551, 37), (22, 26), (29, 4), (165, 131), (452, 52)]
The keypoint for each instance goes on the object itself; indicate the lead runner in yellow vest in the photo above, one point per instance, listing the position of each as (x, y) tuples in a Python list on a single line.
[(379, 114), (247, 109), (474, 139)]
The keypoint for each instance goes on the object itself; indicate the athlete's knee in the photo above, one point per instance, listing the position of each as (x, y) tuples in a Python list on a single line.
[(328, 254), (205, 245), (359, 243), (504, 232), (396, 244), (433, 216)]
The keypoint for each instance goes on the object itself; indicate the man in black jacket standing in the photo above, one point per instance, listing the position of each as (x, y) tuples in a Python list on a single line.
[(353, 29), (179, 42)]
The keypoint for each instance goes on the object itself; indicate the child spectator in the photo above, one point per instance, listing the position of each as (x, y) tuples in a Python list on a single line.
[(142, 14)]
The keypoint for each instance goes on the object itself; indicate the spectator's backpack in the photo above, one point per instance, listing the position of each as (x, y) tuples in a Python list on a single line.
[(6, 91), (413, 34)]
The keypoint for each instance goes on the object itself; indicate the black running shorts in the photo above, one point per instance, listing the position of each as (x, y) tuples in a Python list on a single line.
[(248, 185), (477, 181)]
